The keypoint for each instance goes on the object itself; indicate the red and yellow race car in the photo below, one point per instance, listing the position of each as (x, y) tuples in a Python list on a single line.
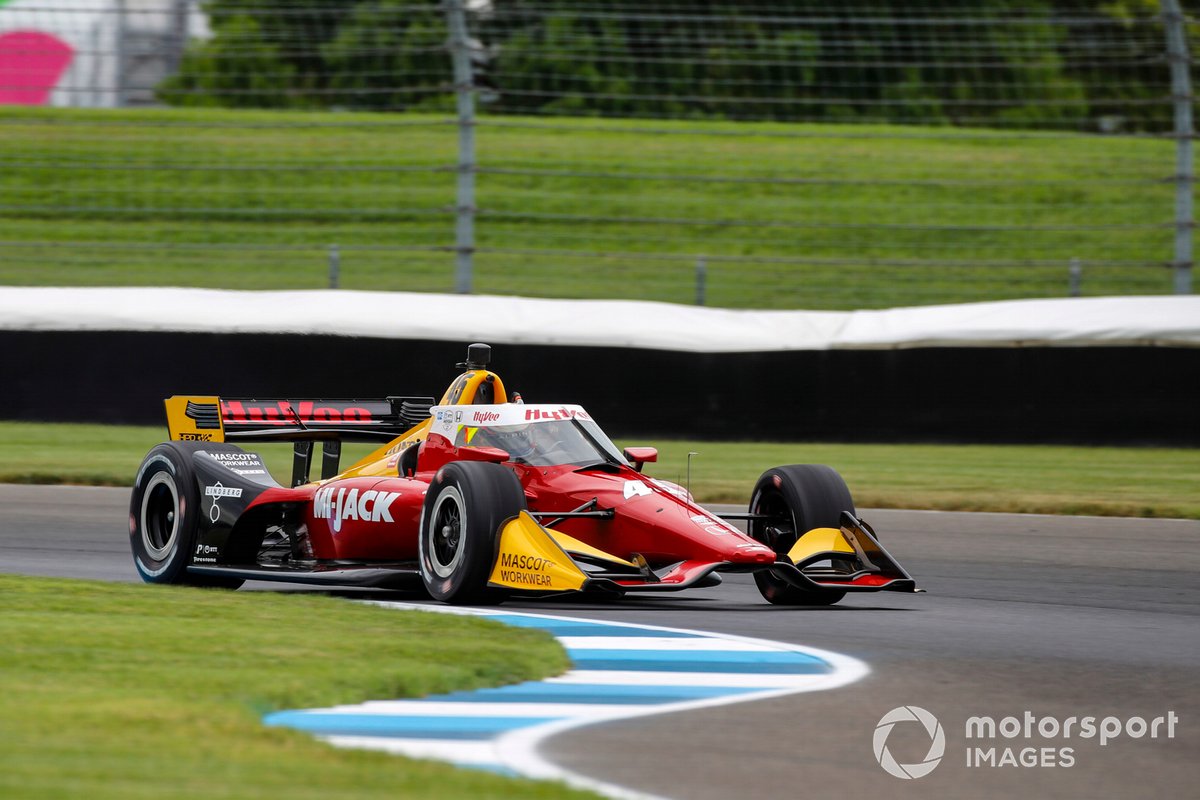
[(478, 496)]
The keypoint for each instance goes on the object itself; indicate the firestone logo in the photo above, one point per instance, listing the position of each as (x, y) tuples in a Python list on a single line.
[(937, 742)]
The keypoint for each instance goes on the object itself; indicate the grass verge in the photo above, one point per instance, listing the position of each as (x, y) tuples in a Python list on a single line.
[(1111, 481), (786, 215), (133, 691)]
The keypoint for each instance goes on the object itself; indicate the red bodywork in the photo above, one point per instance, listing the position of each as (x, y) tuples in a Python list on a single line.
[(378, 518)]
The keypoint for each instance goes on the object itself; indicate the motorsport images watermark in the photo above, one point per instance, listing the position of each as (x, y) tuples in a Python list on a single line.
[(988, 739), (937, 742)]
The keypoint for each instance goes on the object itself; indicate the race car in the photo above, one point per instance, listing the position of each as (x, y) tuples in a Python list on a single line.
[(476, 497)]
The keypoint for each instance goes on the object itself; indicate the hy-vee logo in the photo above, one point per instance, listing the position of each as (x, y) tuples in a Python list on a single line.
[(535, 414), (337, 505)]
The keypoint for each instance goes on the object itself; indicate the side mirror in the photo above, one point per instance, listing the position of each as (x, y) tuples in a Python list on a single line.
[(639, 456)]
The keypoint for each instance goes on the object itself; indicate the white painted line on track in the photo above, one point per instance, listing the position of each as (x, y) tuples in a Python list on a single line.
[(657, 643), (629, 670), (710, 679), (434, 708)]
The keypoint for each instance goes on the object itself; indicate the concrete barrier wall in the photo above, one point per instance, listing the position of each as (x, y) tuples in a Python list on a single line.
[(1099, 394)]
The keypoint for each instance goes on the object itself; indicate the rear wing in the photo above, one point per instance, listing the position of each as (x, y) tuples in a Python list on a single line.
[(332, 421)]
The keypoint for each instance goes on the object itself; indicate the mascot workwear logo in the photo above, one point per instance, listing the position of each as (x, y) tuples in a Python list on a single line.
[(937, 742)]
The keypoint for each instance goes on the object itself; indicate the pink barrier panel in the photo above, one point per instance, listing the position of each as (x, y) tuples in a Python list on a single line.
[(31, 65)]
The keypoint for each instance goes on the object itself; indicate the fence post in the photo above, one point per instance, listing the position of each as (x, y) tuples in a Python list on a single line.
[(95, 82), (1075, 284), (120, 56), (464, 91), (1181, 94), (701, 281), (335, 266), (178, 38)]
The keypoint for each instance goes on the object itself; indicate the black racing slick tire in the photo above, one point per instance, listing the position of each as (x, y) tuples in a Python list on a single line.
[(164, 511), (466, 504), (798, 498)]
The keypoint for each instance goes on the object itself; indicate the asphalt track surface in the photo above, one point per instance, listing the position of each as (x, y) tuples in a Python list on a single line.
[(1058, 616)]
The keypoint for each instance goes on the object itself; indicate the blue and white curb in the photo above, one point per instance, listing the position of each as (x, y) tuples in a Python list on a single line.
[(621, 671)]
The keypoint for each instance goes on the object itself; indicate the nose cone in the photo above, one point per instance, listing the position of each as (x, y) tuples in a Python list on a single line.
[(695, 532), (659, 524), (756, 554)]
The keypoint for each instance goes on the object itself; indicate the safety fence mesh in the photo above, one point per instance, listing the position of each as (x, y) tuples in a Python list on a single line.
[(785, 155)]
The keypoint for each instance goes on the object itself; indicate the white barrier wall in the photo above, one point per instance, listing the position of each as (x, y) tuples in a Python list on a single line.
[(1079, 322)]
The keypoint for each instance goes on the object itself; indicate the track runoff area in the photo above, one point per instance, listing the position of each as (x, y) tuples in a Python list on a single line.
[(621, 671)]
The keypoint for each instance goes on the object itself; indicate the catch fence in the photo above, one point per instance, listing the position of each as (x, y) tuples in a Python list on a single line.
[(777, 155)]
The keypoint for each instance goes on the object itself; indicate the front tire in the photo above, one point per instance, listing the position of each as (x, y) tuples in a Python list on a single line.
[(800, 497), (164, 511), (466, 504)]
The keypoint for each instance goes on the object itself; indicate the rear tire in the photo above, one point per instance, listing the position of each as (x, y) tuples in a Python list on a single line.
[(804, 496), (164, 518), (466, 504)]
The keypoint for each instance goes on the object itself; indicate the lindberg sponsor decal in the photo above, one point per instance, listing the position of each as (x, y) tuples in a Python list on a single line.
[(340, 504), (216, 492)]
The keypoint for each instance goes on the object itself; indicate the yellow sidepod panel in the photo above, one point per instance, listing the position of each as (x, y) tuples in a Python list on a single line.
[(819, 540), (382, 462), (528, 558)]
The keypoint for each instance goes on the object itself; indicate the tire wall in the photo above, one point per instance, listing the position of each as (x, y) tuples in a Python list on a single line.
[(1091, 395)]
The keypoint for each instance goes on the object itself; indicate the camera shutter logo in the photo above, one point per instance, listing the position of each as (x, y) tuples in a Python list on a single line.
[(937, 742)]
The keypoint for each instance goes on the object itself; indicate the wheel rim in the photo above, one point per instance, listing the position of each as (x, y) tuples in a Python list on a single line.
[(160, 516), (447, 532), (778, 536)]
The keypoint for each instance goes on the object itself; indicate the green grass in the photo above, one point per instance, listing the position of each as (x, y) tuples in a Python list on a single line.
[(1113, 481), (252, 200), (137, 691)]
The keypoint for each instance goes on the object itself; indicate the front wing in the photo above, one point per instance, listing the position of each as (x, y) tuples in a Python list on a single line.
[(533, 558)]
